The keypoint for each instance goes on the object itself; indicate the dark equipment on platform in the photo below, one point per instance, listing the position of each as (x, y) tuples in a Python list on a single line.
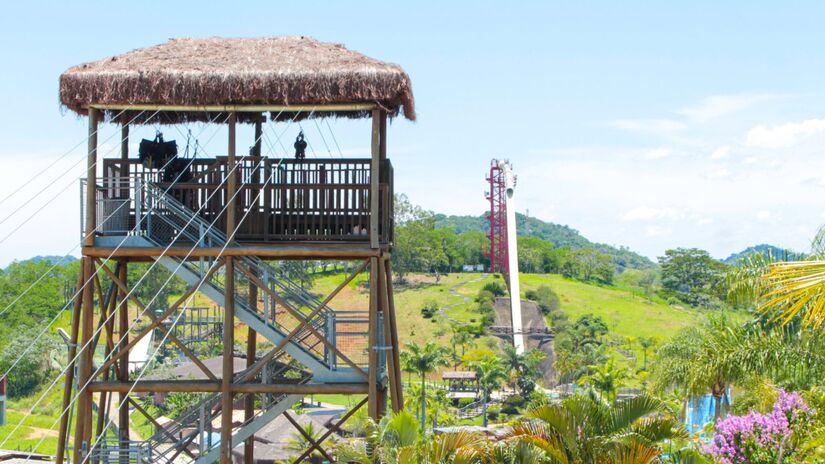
[(155, 154)]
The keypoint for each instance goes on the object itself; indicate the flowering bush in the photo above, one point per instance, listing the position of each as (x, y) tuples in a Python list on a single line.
[(761, 438)]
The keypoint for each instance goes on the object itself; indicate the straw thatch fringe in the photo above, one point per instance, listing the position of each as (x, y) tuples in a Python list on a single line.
[(219, 71)]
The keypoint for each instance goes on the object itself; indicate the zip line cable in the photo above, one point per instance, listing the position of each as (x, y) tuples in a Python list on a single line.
[(56, 178), (126, 297), (79, 244), (79, 144), (78, 292), (323, 139), (48, 202), (102, 326), (211, 225), (143, 369), (340, 152)]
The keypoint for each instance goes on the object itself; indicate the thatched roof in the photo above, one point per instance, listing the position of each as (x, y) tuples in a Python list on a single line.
[(224, 72)]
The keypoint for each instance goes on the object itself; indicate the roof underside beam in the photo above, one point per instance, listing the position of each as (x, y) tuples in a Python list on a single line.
[(321, 108)]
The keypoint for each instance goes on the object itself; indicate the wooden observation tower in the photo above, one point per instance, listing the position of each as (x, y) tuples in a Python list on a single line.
[(219, 224)]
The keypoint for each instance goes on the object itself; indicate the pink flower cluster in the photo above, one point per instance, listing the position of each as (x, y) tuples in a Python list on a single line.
[(757, 438)]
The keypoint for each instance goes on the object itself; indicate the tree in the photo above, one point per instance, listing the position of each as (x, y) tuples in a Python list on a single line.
[(424, 360), (460, 338), (693, 276), (490, 373), (418, 245), (299, 443), (707, 358), (607, 378), (583, 429), (646, 343), (35, 363), (522, 369)]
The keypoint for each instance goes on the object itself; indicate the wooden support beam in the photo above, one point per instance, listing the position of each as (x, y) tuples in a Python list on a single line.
[(91, 181), (68, 383), (273, 251), (229, 302), (251, 348), (189, 354), (313, 444), (373, 406), (355, 107), (123, 363), (391, 322), (212, 386), (256, 148), (375, 177), (83, 427), (387, 335)]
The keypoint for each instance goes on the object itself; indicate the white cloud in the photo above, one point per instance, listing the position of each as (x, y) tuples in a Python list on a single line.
[(721, 152), (720, 105), (719, 173), (657, 231), (656, 126), (658, 153), (785, 135), (704, 221), (763, 215), (646, 213)]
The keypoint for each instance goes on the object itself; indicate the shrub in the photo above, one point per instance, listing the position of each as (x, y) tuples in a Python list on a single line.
[(429, 309), (495, 288), (545, 298), (485, 297)]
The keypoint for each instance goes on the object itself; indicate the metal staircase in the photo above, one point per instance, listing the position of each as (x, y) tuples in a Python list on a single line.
[(165, 221), (192, 431), (169, 221)]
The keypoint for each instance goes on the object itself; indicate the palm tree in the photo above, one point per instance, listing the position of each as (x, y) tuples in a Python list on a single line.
[(607, 378), (463, 339), (396, 439), (424, 360), (490, 373), (646, 343), (521, 367), (582, 429), (706, 358), (299, 443)]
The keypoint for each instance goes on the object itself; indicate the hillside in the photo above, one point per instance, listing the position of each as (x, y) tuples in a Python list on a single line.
[(560, 235), (765, 250), (626, 314)]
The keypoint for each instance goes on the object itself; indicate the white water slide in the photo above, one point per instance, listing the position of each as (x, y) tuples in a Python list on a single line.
[(512, 253)]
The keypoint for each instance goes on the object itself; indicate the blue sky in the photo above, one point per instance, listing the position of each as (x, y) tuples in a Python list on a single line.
[(640, 124)]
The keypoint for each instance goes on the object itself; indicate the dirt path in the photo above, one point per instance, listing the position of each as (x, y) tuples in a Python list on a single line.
[(453, 290)]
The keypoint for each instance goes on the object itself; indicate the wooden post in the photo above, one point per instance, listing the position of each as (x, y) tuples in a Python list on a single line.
[(69, 377), (83, 427), (91, 181), (256, 148), (374, 404), (398, 394), (123, 365), (375, 177), (229, 305), (251, 348)]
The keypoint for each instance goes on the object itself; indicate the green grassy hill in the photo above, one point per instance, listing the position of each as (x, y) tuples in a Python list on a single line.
[(626, 314)]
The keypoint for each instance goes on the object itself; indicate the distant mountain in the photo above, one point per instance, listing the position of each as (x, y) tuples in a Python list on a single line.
[(52, 259), (560, 235), (782, 254)]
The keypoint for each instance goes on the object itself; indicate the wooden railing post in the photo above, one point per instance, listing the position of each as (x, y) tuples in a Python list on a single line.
[(229, 304), (91, 181)]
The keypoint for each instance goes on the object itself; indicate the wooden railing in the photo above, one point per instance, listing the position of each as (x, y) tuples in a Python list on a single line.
[(277, 199)]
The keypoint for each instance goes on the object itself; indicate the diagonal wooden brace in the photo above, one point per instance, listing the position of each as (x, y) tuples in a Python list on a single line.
[(134, 341), (304, 323), (154, 319)]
